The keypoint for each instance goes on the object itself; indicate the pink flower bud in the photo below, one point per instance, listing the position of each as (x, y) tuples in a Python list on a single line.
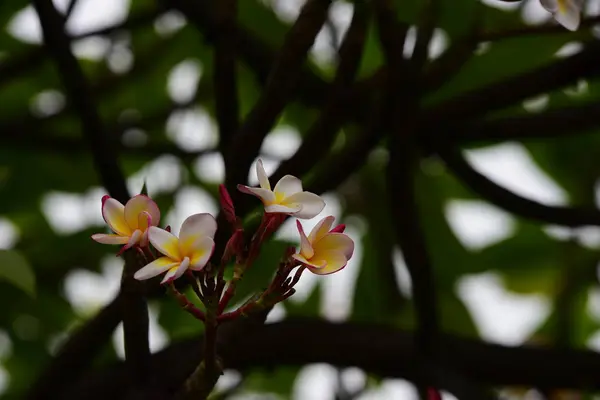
[(227, 205)]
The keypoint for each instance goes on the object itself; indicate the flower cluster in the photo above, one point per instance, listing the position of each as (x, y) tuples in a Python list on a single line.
[(565, 12), (135, 225)]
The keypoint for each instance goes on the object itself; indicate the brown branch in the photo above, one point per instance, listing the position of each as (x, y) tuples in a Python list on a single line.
[(23, 62), (79, 94), (404, 95), (80, 98), (280, 87), (545, 29), (503, 198), (478, 102), (225, 80), (257, 55), (77, 354), (380, 350), (321, 134), (560, 122), (425, 29)]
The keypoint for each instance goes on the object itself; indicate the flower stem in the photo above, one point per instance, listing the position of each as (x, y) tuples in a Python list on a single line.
[(204, 378), (186, 304)]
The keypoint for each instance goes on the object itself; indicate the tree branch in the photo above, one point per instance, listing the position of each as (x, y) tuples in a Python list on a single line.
[(280, 87), (79, 94), (321, 134), (225, 80), (403, 95), (80, 98), (380, 350), (77, 354), (560, 122), (503, 198), (555, 75)]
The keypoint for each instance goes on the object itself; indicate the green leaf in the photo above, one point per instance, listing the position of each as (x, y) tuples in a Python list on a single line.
[(15, 269)]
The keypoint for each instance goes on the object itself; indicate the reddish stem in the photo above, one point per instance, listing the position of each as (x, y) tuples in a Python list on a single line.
[(186, 304)]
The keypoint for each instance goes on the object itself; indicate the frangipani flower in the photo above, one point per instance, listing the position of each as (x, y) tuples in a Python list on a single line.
[(325, 250), (191, 250), (130, 222), (565, 12), (286, 197)]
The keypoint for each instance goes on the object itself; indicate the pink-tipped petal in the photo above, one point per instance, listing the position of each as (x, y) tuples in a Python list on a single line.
[(311, 204), (266, 196), (333, 263), (279, 209), (306, 249), (138, 204), (134, 239), (300, 258), (110, 238), (165, 242), (334, 243), (263, 179), (321, 229), (113, 214), (176, 271), (155, 268), (203, 249), (339, 229), (287, 186)]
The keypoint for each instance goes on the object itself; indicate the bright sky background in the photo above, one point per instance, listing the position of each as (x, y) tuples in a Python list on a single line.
[(502, 317)]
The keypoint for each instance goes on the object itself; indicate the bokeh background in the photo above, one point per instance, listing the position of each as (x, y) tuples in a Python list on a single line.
[(500, 277)]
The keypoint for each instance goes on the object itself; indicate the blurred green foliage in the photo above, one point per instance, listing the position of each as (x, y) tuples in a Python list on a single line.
[(40, 154)]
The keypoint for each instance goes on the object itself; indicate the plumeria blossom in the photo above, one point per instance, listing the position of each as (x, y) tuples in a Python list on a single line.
[(287, 197), (191, 250), (129, 222), (565, 12), (325, 250)]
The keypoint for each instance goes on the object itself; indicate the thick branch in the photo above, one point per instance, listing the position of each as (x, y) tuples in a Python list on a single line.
[(225, 79), (403, 94), (560, 122), (80, 98), (78, 353), (380, 350), (280, 87), (557, 74), (103, 153), (503, 198), (320, 136)]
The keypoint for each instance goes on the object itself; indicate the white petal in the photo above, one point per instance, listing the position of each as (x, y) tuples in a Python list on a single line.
[(203, 250), (550, 5), (263, 179), (334, 243), (138, 204), (165, 242), (155, 268), (135, 238), (569, 17), (176, 271), (306, 249), (197, 225), (311, 204), (287, 186), (113, 213), (265, 195), (334, 263), (276, 208), (110, 239), (321, 229)]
